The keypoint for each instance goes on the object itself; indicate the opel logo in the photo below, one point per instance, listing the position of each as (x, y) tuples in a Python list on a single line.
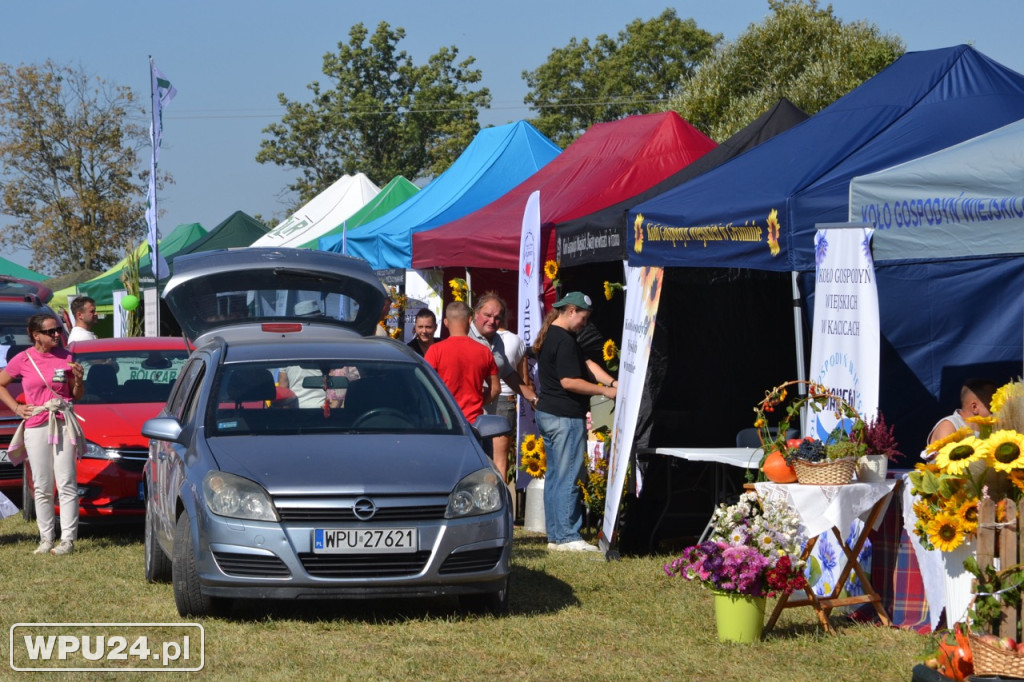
[(364, 509)]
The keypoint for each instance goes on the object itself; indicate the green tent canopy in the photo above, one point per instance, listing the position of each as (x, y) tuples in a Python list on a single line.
[(101, 289), (389, 197), (12, 269), (238, 229)]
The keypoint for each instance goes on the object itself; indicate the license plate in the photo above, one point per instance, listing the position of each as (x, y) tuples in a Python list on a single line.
[(3, 456), (142, 491), (365, 540)]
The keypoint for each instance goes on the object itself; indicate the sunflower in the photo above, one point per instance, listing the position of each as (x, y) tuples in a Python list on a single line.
[(923, 510), (529, 448), (1017, 479), (957, 435), (610, 350), (944, 532), (1000, 397), (1005, 448), (956, 457), (551, 269), (968, 514), (533, 467), (608, 291)]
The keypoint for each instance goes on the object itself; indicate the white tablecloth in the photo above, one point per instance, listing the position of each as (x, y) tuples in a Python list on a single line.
[(745, 458), (930, 563), (822, 507)]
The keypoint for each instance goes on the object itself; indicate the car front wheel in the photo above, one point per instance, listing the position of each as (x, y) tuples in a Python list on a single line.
[(158, 566), (188, 595)]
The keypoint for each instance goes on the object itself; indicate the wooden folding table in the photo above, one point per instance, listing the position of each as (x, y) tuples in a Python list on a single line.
[(832, 509)]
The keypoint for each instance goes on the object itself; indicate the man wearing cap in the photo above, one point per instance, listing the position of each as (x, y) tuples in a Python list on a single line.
[(567, 381)]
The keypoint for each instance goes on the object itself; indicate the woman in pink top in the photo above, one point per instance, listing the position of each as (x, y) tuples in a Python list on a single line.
[(50, 378)]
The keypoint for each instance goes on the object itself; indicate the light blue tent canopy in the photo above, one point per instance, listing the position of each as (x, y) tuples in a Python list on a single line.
[(495, 161)]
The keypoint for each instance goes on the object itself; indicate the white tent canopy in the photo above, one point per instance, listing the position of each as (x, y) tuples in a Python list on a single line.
[(965, 200), (323, 213)]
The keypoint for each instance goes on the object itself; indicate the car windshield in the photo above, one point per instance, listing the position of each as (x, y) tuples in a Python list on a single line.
[(328, 396), (130, 376)]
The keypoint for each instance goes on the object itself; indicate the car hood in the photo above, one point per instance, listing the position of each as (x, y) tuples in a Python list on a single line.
[(358, 464), (120, 425)]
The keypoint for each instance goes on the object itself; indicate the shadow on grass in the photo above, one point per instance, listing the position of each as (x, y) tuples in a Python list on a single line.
[(532, 593)]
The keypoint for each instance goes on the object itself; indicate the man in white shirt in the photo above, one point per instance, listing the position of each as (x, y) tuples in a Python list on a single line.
[(83, 309)]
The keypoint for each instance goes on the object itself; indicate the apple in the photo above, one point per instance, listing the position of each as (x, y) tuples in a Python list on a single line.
[(1008, 643), (993, 640), (1020, 647)]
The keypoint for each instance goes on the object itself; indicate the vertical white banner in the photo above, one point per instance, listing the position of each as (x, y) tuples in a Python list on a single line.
[(162, 92), (423, 290), (530, 313), (845, 332), (643, 293), (150, 305)]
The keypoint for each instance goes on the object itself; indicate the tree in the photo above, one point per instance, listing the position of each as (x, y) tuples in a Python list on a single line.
[(383, 115), (800, 52), (585, 83), (69, 166)]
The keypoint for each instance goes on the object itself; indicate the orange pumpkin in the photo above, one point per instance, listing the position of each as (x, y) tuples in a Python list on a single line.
[(776, 469), (955, 658)]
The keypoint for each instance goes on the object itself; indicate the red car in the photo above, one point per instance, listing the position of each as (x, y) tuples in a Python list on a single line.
[(127, 381)]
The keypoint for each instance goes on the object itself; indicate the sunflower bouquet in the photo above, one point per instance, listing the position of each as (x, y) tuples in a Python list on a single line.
[(533, 459), (968, 466), (595, 483), (460, 289)]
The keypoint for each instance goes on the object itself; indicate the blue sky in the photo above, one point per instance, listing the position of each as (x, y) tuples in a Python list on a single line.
[(230, 59)]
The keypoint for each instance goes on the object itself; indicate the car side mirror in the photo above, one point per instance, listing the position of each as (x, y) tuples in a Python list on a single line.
[(162, 428), (491, 425)]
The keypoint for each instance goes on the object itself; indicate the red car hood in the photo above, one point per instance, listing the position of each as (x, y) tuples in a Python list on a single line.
[(113, 426)]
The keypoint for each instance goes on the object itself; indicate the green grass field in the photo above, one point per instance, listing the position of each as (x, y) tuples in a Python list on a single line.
[(573, 616)]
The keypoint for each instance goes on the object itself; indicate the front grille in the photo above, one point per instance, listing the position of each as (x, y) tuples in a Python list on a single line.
[(9, 472), (133, 460), (341, 514), (251, 565), (472, 561), (364, 565)]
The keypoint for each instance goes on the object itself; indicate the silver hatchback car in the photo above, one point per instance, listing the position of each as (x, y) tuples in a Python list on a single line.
[(301, 457)]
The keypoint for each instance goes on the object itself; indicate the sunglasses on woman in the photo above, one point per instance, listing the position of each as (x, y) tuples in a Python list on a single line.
[(55, 332)]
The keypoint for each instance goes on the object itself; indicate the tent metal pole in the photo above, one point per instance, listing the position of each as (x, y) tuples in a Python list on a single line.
[(798, 328)]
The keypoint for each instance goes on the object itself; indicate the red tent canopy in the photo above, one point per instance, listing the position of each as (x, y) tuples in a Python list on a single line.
[(607, 164)]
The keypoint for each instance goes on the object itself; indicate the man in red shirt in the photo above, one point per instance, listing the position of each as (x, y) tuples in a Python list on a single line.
[(464, 364)]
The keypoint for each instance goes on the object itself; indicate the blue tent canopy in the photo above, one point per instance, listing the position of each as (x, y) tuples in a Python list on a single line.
[(730, 216), (943, 319), (495, 161)]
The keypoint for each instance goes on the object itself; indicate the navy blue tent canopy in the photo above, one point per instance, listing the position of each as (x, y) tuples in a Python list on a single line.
[(943, 319), (600, 236), (730, 216)]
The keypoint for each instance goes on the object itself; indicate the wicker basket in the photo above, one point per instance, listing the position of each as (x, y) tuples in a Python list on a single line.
[(829, 472), (992, 660)]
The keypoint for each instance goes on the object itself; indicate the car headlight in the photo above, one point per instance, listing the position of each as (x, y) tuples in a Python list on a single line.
[(93, 451), (237, 497), (478, 493)]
